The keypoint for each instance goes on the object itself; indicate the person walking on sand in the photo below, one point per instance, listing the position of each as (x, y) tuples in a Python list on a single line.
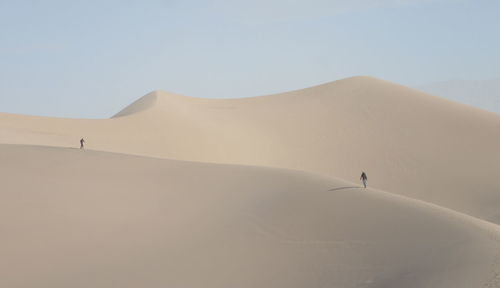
[(81, 143), (364, 178)]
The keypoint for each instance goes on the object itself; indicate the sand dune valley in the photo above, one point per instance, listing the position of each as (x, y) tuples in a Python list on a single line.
[(183, 192)]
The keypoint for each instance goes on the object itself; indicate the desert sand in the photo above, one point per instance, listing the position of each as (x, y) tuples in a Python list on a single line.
[(175, 191)]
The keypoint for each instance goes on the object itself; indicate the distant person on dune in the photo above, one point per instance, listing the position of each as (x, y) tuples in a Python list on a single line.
[(81, 143), (364, 178)]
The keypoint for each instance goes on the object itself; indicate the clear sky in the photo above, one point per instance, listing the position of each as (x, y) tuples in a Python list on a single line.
[(91, 58)]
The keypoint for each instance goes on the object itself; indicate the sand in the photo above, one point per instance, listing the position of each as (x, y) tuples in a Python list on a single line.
[(255, 192)]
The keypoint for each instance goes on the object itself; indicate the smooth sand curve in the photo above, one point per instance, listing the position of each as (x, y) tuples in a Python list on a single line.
[(72, 218), (410, 143)]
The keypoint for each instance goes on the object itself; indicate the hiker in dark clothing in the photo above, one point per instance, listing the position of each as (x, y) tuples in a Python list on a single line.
[(81, 143), (364, 178)]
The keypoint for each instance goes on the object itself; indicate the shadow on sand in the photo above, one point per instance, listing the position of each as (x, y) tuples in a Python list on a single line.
[(342, 188)]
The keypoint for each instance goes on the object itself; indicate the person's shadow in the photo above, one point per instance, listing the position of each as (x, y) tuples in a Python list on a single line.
[(343, 188)]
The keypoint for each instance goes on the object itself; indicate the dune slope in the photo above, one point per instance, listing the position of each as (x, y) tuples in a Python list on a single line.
[(95, 219), (408, 142)]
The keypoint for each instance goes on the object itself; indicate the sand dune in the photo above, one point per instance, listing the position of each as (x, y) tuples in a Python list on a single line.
[(410, 143), (292, 217), (72, 218)]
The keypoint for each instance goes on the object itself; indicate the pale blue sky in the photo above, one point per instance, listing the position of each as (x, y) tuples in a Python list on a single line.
[(91, 58)]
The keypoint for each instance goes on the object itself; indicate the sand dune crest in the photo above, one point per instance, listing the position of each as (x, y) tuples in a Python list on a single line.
[(94, 219), (409, 142)]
